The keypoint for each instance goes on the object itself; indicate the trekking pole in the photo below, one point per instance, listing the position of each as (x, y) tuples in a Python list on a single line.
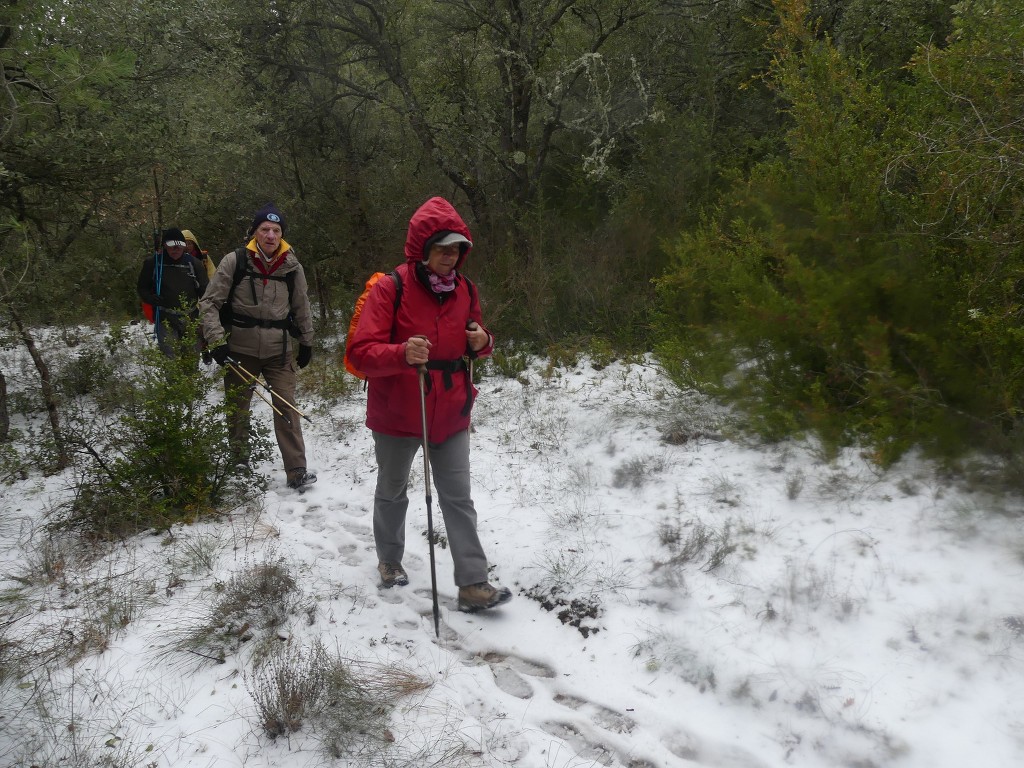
[(252, 388), (158, 279), (268, 401), (471, 326), (426, 484), (245, 374)]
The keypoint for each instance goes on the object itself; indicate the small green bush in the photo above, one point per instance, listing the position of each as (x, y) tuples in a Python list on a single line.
[(328, 379), (163, 458), (13, 466), (509, 361), (95, 368), (565, 354), (85, 372)]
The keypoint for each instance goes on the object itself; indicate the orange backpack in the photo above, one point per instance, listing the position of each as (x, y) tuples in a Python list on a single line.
[(358, 310)]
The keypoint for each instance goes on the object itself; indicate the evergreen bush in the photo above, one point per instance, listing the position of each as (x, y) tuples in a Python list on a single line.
[(863, 286), (163, 458)]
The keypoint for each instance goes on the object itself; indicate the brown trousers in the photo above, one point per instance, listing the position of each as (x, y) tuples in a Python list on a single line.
[(280, 375)]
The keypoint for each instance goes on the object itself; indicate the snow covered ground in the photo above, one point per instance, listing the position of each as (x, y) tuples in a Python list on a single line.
[(681, 599)]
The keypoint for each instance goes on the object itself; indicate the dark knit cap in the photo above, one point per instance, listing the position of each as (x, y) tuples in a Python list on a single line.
[(268, 212)]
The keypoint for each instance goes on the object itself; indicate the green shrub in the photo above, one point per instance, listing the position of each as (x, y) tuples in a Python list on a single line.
[(13, 466), (816, 298), (327, 378), (163, 458), (509, 361), (85, 372), (565, 354)]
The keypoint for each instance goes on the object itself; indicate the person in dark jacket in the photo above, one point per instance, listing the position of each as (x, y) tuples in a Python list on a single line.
[(437, 325), (172, 281), (269, 306)]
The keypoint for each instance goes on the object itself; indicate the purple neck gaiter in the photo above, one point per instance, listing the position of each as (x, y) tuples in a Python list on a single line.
[(442, 283)]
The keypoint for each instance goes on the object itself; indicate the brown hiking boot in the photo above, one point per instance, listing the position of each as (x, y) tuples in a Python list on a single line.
[(478, 597), (392, 575)]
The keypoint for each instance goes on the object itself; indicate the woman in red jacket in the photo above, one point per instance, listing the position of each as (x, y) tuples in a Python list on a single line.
[(436, 323)]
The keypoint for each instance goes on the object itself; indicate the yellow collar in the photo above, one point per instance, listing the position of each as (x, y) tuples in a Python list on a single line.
[(283, 247)]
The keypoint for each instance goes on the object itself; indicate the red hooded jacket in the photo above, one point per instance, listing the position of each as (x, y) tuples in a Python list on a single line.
[(378, 347)]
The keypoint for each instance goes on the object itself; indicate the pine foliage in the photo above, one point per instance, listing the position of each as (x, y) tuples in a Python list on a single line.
[(164, 459), (864, 285)]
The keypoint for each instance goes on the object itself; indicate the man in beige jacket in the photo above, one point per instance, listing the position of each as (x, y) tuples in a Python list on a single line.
[(269, 306)]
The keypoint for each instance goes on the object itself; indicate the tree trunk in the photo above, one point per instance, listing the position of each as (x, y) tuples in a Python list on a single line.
[(49, 395), (5, 413), (322, 294)]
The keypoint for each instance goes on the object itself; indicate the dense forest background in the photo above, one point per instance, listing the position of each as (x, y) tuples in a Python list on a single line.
[(812, 209)]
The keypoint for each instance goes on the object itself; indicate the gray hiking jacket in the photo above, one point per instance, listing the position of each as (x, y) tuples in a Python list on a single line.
[(265, 300)]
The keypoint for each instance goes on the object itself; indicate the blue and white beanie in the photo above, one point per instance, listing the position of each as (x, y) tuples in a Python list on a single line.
[(268, 212)]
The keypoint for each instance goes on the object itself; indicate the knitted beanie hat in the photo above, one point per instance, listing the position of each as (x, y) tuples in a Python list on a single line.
[(270, 213)]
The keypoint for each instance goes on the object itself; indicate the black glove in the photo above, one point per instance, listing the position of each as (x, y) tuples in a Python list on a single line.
[(220, 354), (207, 357), (305, 355)]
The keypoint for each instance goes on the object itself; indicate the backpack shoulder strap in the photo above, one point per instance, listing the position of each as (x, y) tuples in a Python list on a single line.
[(241, 266), (242, 269), (393, 274), (158, 271), (192, 264)]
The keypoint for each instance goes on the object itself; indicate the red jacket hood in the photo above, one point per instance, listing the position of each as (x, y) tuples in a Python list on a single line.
[(435, 215)]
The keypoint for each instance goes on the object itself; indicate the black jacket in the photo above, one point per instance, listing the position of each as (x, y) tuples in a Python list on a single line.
[(184, 281)]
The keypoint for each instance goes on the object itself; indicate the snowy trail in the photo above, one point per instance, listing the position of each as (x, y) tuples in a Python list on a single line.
[(494, 664), (828, 614), (526, 690)]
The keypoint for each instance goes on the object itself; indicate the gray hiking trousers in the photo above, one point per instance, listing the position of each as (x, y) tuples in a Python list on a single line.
[(449, 467)]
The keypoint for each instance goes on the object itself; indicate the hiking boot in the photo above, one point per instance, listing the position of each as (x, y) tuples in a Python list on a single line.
[(479, 597), (392, 575), (300, 478)]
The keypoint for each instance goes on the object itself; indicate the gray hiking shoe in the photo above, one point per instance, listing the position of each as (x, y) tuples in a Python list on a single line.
[(300, 478), (392, 575), (479, 597)]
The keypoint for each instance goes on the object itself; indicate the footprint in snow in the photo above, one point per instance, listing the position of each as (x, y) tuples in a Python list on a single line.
[(508, 672), (349, 553), (527, 667), (511, 682), (350, 510), (391, 596), (511, 675), (606, 718), (313, 522), (585, 748)]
